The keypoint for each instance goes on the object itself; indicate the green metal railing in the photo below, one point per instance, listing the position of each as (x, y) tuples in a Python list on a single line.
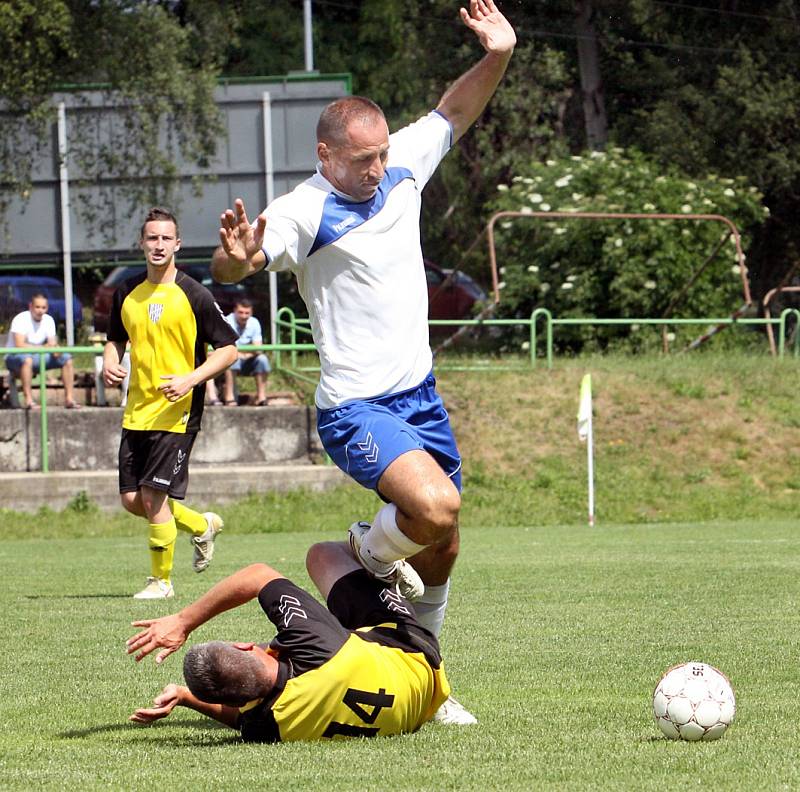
[(287, 320), (551, 323)]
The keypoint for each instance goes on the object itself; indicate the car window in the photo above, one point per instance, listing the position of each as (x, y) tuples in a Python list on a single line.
[(434, 278), (52, 291)]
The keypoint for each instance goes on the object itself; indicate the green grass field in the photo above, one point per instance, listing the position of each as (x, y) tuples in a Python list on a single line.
[(555, 638)]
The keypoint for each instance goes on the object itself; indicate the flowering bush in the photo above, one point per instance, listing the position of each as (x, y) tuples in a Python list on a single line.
[(619, 268)]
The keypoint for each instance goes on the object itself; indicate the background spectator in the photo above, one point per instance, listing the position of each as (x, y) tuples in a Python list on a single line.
[(31, 329), (255, 364)]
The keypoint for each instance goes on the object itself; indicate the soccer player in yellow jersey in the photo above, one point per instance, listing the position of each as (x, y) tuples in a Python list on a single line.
[(362, 667), (169, 320)]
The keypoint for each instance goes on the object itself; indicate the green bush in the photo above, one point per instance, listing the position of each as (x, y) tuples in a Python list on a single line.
[(618, 268)]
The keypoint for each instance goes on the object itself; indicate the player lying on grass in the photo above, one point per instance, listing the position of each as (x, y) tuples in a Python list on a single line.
[(363, 666)]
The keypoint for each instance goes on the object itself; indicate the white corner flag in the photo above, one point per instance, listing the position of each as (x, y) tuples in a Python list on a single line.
[(585, 435)]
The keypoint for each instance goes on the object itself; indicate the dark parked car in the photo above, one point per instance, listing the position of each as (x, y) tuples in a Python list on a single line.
[(453, 298), (226, 295), (16, 292)]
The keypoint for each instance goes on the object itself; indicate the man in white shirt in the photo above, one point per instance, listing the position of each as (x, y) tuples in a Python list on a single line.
[(351, 236), (32, 329), (250, 364)]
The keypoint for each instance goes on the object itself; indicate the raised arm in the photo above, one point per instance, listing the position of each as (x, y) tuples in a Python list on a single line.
[(170, 632), (465, 99), (240, 253)]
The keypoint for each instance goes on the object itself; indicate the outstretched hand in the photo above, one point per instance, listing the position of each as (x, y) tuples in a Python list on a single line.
[(167, 632), (163, 704), (492, 29), (241, 240)]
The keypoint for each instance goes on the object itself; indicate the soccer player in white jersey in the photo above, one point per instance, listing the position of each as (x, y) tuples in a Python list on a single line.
[(351, 236)]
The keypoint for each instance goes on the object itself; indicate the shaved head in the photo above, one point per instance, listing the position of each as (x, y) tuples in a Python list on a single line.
[(339, 115)]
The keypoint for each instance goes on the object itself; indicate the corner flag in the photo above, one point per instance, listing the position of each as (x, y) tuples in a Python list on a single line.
[(585, 434), (585, 408)]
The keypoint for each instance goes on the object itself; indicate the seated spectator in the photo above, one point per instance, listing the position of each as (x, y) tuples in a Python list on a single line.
[(30, 330), (255, 364)]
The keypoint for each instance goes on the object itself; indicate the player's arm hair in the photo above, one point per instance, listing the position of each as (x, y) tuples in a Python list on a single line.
[(233, 591), (219, 712), (227, 270), (114, 348), (464, 101), (217, 361)]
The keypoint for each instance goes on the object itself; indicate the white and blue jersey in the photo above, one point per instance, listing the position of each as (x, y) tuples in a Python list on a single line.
[(360, 271)]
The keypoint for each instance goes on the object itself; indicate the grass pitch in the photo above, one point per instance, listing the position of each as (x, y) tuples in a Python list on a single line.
[(555, 638)]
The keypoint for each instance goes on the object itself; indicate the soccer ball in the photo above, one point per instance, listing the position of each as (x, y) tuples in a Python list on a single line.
[(694, 701)]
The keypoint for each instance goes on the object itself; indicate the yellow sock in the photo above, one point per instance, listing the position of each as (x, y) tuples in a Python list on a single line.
[(162, 548), (187, 519)]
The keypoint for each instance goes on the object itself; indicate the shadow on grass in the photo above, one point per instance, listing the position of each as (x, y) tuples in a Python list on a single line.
[(75, 596), (154, 729)]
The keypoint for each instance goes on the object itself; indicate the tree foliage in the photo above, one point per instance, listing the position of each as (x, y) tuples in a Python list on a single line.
[(708, 87), (157, 61), (623, 267), (714, 86)]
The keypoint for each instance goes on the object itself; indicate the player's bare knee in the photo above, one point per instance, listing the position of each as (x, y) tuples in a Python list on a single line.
[(447, 507), (326, 555), (316, 557), (147, 501), (438, 515)]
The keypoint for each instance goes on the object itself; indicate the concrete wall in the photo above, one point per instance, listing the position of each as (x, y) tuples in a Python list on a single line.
[(88, 439), (239, 452), (207, 485)]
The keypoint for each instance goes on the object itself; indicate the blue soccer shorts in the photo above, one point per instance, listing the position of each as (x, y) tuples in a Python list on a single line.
[(364, 437)]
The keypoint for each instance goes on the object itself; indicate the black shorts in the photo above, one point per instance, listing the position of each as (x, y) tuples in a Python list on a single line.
[(159, 460), (358, 600)]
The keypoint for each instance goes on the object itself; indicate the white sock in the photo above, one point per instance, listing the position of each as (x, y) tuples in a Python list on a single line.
[(430, 608), (385, 543)]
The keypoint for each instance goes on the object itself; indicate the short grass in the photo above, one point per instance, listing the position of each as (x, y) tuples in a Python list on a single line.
[(555, 638)]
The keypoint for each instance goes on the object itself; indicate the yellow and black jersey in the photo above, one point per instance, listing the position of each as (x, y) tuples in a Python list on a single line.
[(362, 667), (169, 326)]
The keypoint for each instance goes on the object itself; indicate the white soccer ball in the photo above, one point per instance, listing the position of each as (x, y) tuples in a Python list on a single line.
[(694, 701)]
